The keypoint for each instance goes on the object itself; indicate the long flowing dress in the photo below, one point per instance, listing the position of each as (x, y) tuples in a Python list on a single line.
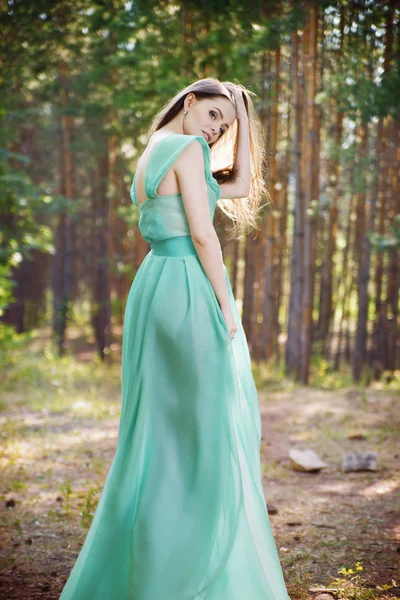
[(182, 514)]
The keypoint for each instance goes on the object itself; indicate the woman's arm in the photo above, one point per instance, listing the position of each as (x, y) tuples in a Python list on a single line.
[(189, 169), (240, 188)]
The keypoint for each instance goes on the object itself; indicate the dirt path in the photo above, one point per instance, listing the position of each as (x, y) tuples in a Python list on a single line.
[(331, 519), (58, 425)]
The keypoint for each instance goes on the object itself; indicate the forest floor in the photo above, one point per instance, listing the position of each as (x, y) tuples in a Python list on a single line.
[(58, 427)]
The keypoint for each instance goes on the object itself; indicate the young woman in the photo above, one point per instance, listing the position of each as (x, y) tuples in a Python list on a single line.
[(182, 515)]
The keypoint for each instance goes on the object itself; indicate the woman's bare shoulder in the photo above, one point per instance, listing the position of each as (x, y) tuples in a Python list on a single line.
[(191, 157)]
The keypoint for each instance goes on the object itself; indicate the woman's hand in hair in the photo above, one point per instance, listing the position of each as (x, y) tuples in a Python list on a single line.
[(241, 112)]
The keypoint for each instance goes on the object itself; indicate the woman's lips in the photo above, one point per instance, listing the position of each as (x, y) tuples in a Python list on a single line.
[(207, 136)]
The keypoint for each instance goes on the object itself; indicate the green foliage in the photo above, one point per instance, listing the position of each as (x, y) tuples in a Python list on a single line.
[(66, 492), (390, 380), (44, 394), (381, 243), (11, 343), (270, 375), (89, 508), (323, 375), (353, 585), (125, 60), (6, 284), (62, 383), (23, 208)]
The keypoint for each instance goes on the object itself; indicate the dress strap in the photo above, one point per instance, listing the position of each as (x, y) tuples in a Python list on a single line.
[(133, 191), (162, 158)]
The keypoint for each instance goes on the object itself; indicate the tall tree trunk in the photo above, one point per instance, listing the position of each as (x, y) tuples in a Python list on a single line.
[(310, 187), (360, 351), (382, 304), (257, 340), (327, 273), (235, 266), (296, 273), (393, 276), (360, 346), (249, 314), (270, 307), (283, 222), (101, 308), (344, 284), (63, 257), (30, 275)]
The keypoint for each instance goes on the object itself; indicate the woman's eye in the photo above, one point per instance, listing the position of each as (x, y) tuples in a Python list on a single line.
[(212, 112)]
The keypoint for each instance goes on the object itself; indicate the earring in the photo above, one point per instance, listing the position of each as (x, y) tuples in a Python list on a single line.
[(185, 112)]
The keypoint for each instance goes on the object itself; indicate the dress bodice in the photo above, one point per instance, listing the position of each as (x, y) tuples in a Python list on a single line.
[(162, 216)]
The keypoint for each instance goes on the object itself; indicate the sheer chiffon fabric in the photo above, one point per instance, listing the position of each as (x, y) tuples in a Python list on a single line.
[(182, 515)]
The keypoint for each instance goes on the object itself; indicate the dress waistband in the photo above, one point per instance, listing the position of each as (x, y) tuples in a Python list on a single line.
[(175, 246)]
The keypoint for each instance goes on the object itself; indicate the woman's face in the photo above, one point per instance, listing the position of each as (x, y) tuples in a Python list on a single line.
[(209, 117)]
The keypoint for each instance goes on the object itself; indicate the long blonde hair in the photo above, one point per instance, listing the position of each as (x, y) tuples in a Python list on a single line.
[(242, 211)]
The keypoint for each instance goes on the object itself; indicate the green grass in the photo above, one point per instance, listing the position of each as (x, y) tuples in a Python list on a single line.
[(58, 422)]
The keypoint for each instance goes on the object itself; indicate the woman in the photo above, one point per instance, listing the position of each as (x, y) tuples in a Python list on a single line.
[(182, 515)]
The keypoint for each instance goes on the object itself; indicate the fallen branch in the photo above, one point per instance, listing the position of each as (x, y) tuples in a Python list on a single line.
[(316, 589)]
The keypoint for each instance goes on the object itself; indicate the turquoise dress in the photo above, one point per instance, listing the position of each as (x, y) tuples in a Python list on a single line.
[(182, 515)]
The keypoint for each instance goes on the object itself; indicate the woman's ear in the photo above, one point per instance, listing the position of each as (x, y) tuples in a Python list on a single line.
[(191, 97)]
